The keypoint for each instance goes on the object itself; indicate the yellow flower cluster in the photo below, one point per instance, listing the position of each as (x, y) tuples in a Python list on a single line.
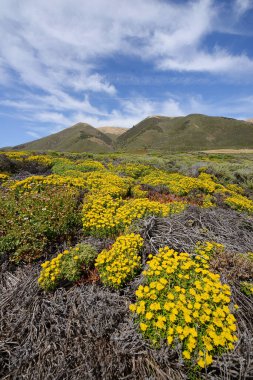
[(108, 183), (51, 272), (133, 209), (68, 265), (41, 159), (137, 192), (180, 184), (36, 183), (16, 155), (89, 165), (239, 202), (119, 264), (4, 177), (183, 302), (99, 215), (235, 188), (105, 216), (207, 201)]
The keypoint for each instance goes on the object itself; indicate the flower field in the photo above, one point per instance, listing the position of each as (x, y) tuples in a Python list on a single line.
[(117, 266)]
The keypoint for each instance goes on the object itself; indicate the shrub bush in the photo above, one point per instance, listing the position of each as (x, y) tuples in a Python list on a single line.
[(105, 216), (31, 223), (119, 264), (69, 265), (182, 301)]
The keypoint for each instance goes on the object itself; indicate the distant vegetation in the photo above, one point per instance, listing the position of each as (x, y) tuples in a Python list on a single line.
[(116, 266), (153, 134)]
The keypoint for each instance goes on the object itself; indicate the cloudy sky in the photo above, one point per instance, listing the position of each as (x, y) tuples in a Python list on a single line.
[(115, 62)]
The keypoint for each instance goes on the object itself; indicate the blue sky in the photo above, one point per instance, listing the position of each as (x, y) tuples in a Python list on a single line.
[(111, 62)]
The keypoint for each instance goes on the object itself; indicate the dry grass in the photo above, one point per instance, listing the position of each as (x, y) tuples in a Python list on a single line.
[(86, 332), (81, 333), (228, 151)]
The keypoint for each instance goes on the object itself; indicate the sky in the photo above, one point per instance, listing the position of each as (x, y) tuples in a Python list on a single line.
[(115, 62)]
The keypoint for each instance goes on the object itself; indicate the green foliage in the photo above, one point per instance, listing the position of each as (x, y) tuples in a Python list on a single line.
[(30, 223), (188, 133), (119, 264), (182, 301), (153, 134), (62, 166), (69, 266), (247, 288), (79, 138)]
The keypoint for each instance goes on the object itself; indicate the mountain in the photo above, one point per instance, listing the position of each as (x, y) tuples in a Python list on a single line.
[(154, 134), (186, 133), (112, 132), (250, 120), (80, 137)]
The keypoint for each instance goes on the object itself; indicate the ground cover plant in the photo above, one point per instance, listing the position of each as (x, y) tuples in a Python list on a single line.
[(124, 266)]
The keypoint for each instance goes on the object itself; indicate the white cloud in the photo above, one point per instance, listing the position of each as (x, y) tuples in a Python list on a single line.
[(220, 62), (242, 6), (55, 51)]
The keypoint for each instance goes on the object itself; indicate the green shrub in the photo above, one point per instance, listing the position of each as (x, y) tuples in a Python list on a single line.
[(69, 265), (31, 223)]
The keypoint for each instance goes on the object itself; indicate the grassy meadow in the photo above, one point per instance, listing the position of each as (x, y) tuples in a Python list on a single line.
[(125, 266)]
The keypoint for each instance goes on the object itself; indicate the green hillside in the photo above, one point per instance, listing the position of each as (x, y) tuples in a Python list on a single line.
[(154, 134), (192, 132), (80, 137)]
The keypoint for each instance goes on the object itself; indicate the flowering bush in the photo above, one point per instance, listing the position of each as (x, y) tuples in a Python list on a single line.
[(180, 184), (41, 159), (30, 223), (63, 165), (105, 216), (69, 265), (16, 155), (208, 201), (99, 215), (133, 209), (239, 202), (3, 177), (89, 165), (137, 192), (183, 302), (106, 183), (119, 264), (132, 170), (37, 183)]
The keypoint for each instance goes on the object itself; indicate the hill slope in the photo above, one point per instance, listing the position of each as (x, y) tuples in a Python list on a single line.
[(80, 137), (112, 132), (154, 134), (186, 133)]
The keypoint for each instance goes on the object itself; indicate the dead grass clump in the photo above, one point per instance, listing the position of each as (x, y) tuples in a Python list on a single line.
[(81, 333), (233, 266), (182, 231)]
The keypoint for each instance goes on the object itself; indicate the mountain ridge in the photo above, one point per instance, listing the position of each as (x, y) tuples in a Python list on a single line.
[(153, 134)]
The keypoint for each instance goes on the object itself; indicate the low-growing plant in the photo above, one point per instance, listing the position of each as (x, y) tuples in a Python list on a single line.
[(31, 223), (3, 177), (183, 302), (64, 165), (247, 288), (105, 216), (38, 183), (106, 183), (239, 202), (119, 264), (69, 265)]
